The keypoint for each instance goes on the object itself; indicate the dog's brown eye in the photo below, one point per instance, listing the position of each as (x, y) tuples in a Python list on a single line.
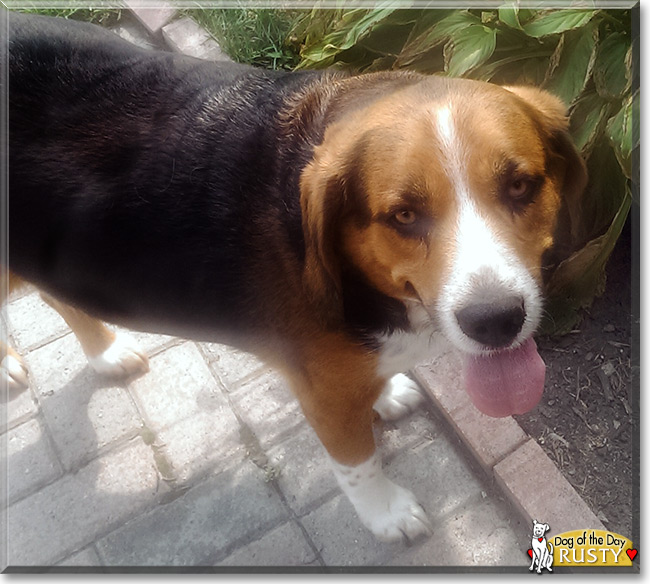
[(405, 217), (519, 188)]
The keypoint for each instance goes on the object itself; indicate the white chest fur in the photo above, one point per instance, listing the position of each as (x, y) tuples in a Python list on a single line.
[(401, 351)]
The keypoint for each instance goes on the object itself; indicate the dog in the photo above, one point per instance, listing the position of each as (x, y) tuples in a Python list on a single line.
[(341, 227), (542, 550)]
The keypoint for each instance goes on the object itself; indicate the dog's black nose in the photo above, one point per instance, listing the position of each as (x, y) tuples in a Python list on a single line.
[(494, 324)]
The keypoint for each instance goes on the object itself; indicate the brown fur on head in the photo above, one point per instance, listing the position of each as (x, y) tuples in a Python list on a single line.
[(564, 160), (382, 192)]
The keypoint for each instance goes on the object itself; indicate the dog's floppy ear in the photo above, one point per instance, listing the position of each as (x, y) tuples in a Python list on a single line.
[(565, 162), (322, 201)]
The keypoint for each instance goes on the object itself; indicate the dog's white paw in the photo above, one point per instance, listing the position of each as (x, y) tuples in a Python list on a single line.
[(14, 373), (391, 512), (122, 359), (400, 397)]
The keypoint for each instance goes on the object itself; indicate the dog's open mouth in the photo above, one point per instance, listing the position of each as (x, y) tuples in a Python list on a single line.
[(506, 382)]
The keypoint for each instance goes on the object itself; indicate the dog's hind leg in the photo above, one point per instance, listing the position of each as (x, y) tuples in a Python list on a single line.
[(13, 371), (108, 353)]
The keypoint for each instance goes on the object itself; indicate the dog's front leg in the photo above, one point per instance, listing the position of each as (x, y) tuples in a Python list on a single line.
[(337, 399), (532, 562)]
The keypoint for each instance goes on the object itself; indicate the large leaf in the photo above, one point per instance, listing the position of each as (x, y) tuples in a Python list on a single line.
[(611, 73), (558, 21), (623, 132), (354, 26), (469, 48), (573, 283), (588, 118), (572, 63), (509, 15), (448, 24), (389, 35), (604, 192)]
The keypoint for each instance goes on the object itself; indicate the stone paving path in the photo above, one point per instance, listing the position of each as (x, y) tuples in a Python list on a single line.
[(208, 461)]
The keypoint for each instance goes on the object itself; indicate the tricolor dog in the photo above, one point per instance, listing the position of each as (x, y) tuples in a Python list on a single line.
[(340, 227)]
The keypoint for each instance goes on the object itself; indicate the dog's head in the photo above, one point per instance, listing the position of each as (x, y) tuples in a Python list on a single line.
[(445, 195), (539, 529)]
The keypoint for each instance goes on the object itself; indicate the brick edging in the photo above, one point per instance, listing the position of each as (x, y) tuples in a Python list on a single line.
[(526, 475), (182, 35)]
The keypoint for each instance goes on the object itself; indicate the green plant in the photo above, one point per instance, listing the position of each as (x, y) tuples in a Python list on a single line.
[(585, 56), (254, 36), (102, 16)]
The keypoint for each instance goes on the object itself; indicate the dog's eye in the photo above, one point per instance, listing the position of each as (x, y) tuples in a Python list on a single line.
[(409, 223), (405, 217), (519, 188), (518, 191)]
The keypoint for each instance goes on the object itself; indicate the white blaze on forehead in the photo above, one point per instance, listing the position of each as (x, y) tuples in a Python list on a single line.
[(482, 263), (445, 125)]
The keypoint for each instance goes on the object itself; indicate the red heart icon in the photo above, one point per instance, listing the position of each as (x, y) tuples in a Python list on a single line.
[(530, 553), (540, 538), (631, 553)]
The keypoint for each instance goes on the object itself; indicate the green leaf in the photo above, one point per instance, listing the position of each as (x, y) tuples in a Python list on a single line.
[(354, 25), (581, 277), (588, 118), (572, 63), (611, 73), (470, 48), (623, 133), (509, 15), (388, 36), (442, 30), (558, 21)]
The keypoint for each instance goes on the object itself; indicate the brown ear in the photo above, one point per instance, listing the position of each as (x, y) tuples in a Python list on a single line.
[(565, 162), (322, 200)]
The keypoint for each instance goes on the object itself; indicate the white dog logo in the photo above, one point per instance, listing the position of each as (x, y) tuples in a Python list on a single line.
[(542, 551)]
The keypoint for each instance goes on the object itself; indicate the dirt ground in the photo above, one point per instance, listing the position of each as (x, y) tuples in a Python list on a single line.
[(586, 422)]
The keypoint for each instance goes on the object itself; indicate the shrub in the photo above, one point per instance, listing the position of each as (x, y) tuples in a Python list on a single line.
[(585, 56)]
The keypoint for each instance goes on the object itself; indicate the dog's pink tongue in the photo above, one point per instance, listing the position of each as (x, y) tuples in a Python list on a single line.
[(507, 382)]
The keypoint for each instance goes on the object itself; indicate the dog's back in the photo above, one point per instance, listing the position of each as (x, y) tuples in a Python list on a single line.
[(169, 161)]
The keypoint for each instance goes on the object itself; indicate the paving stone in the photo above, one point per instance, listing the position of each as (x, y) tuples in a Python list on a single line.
[(178, 385), (18, 407), (84, 410), (134, 33), (268, 407), (437, 474), (284, 546), (442, 379), (85, 558), (441, 481), (539, 490), (186, 36), (231, 365), (204, 442), (153, 18), (482, 534), (341, 539), (195, 528), (305, 476), (417, 427), (30, 460), (33, 323), (489, 439), (150, 343), (72, 512)]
